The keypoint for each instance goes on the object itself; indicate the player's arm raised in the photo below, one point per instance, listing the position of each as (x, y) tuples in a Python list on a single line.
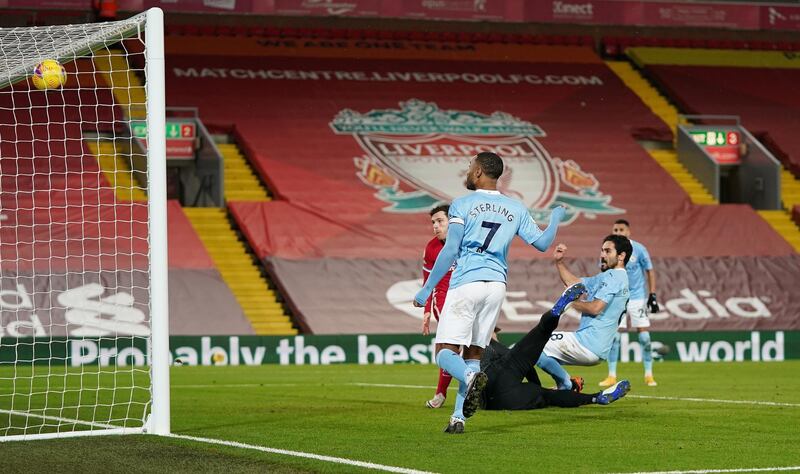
[(541, 239), (549, 234), (455, 233), (558, 257)]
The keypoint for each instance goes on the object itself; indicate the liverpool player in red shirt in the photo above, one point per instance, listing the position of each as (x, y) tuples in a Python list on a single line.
[(435, 302)]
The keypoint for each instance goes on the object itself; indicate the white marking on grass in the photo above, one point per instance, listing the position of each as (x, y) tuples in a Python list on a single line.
[(654, 397), (389, 385), (106, 428), (709, 471), (300, 454), (714, 400), (235, 385), (60, 419)]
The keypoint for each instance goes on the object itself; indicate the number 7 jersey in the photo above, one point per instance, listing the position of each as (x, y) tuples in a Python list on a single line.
[(491, 220)]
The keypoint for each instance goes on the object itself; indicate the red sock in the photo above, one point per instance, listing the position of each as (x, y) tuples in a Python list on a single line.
[(444, 382)]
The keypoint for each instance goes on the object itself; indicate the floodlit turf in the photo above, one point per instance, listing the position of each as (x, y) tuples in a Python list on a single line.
[(322, 410)]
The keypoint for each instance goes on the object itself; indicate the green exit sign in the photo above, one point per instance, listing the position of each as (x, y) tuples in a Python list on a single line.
[(174, 130), (715, 137)]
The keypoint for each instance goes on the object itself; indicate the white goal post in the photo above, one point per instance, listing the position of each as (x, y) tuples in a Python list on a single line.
[(84, 324)]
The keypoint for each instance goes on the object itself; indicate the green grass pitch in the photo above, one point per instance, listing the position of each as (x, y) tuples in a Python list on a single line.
[(325, 410)]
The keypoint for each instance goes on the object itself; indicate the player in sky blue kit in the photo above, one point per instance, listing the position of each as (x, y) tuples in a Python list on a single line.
[(607, 295), (638, 266), (481, 227)]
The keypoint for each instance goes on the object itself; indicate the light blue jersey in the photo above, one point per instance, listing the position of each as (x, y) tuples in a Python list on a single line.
[(596, 333), (491, 220), (637, 265)]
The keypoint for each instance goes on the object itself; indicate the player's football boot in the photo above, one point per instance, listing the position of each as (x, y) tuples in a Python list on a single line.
[(614, 392), (608, 381), (577, 384), (472, 400), (650, 381), (436, 402), (572, 293), (456, 426)]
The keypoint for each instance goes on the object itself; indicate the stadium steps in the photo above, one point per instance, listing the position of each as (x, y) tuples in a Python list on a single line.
[(111, 157), (241, 181), (259, 303), (656, 102), (668, 159), (659, 105), (129, 93), (783, 224), (790, 190)]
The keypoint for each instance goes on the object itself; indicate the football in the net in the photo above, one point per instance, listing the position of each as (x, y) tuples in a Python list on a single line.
[(49, 74)]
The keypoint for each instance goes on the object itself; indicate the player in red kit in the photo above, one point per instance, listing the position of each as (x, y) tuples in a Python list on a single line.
[(435, 303)]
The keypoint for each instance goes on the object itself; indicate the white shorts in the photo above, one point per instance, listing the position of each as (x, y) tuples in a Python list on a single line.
[(637, 311), (564, 347), (470, 313)]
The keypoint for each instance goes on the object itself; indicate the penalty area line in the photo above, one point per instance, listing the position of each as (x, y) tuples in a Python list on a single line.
[(714, 471), (299, 454)]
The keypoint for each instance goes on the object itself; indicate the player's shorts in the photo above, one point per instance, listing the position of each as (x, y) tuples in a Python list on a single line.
[(637, 311), (470, 313), (564, 347)]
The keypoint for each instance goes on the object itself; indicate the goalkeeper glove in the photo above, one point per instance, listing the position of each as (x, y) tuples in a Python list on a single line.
[(652, 303)]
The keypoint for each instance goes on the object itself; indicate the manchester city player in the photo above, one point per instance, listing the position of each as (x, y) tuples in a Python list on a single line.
[(638, 266), (481, 227), (600, 313)]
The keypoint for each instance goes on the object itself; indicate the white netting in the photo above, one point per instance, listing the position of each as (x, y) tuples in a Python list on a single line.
[(74, 246)]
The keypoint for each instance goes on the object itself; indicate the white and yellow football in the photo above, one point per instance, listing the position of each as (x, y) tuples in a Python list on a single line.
[(49, 74)]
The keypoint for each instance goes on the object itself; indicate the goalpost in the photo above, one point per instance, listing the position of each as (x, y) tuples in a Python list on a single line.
[(84, 333)]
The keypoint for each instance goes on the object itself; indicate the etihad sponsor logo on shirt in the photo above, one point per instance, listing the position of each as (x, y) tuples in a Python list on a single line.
[(416, 156)]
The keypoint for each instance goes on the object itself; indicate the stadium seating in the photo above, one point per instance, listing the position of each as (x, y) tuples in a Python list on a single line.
[(765, 99), (328, 240), (62, 224)]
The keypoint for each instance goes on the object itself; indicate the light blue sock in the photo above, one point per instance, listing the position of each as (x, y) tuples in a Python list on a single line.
[(647, 352), (552, 367), (613, 356), (458, 408), (473, 365), (453, 364)]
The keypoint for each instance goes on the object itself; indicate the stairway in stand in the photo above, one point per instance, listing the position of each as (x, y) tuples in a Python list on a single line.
[(259, 303)]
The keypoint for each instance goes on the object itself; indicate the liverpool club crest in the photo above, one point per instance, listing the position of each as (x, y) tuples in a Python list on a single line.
[(418, 155)]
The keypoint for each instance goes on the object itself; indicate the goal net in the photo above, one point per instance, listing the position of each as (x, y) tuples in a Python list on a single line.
[(83, 285)]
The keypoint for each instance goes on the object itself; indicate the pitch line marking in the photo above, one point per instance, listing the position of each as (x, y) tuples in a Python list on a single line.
[(300, 454), (234, 444), (388, 385), (58, 418), (710, 471), (235, 385), (679, 399), (714, 400)]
